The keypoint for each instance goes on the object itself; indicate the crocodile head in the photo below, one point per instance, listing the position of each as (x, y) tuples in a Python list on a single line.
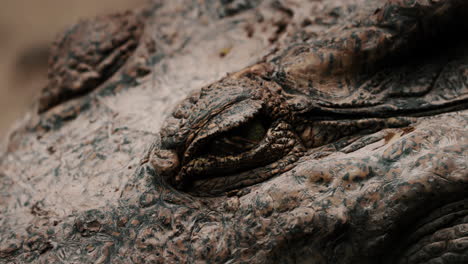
[(343, 139), (331, 140)]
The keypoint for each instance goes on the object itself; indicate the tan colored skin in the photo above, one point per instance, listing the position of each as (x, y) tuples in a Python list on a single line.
[(359, 157), (78, 65)]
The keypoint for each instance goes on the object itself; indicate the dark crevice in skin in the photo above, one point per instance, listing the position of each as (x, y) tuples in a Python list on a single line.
[(303, 249), (320, 114), (319, 133), (404, 234), (70, 95), (56, 121), (220, 9), (449, 214)]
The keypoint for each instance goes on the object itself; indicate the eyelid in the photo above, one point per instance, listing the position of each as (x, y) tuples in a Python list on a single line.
[(232, 117), (278, 141)]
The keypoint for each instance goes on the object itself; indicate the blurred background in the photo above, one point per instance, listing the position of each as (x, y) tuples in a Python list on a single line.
[(27, 27)]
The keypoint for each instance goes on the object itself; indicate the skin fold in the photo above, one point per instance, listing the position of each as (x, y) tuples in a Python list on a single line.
[(247, 132)]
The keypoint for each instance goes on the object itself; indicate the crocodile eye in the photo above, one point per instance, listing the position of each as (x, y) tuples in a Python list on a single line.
[(239, 139), (216, 160)]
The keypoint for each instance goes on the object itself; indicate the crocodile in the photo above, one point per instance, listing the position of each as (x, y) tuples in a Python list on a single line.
[(232, 131)]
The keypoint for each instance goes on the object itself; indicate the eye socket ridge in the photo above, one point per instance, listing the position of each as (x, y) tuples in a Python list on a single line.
[(277, 142)]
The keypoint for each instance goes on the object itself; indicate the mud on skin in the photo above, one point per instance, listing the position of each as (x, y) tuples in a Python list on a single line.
[(247, 132)]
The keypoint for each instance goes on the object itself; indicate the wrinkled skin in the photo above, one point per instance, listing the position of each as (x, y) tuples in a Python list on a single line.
[(338, 135)]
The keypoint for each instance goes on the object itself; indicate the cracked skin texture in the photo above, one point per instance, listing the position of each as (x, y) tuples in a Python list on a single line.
[(87, 54), (339, 135)]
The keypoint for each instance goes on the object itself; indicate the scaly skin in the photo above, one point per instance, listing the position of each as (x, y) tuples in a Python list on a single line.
[(84, 57), (339, 135)]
